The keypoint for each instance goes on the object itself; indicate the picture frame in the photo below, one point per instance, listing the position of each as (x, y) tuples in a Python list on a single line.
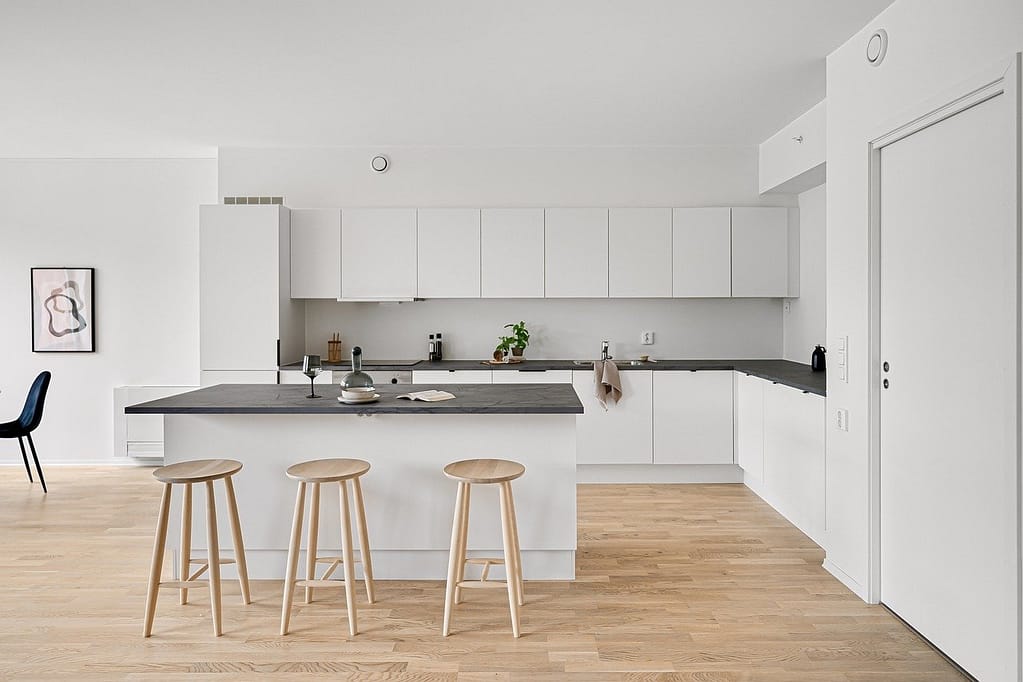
[(63, 310)]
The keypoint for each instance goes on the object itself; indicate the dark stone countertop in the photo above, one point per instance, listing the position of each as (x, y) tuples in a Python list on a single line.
[(785, 372), (291, 399), (346, 366)]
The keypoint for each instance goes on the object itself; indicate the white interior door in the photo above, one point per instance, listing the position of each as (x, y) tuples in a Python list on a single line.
[(949, 535)]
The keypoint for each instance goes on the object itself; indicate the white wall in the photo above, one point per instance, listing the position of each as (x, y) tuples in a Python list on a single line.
[(136, 222), (934, 44), (805, 318), (543, 177), (561, 329)]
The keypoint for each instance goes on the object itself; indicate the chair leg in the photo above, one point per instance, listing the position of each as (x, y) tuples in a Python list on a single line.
[(239, 544), (454, 556), (39, 469), (313, 539), (509, 561), (156, 568), (463, 543), (24, 458), (185, 560), (367, 560), (348, 559), (292, 571), (213, 549), (515, 540)]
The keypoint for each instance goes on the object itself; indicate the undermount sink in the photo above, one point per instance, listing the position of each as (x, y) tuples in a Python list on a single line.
[(620, 363)]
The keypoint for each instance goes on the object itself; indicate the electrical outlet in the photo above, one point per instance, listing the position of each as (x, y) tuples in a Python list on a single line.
[(646, 338), (787, 306), (842, 420)]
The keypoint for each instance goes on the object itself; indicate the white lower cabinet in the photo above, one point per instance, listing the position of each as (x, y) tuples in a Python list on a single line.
[(749, 424), (794, 456), (527, 376), (624, 433), (692, 413), (451, 376), (296, 377)]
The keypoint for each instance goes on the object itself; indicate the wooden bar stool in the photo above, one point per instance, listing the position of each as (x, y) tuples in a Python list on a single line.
[(484, 471), (314, 473), (186, 473)]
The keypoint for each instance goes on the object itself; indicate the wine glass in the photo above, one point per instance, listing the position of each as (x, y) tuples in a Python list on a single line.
[(311, 367)]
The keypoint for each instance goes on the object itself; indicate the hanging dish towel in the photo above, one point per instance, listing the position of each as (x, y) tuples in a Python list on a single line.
[(607, 382)]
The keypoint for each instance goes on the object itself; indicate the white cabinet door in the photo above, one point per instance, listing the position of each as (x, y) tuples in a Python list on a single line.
[(639, 252), (749, 424), (692, 417), (449, 253), (701, 248), (214, 377), (451, 376), (760, 252), (794, 456), (511, 252), (530, 376), (378, 254), (291, 376), (239, 287), (575, 260), (316, 253), (624, 433)]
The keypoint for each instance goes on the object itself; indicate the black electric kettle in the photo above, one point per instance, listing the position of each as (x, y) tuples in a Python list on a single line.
[(817, 363)]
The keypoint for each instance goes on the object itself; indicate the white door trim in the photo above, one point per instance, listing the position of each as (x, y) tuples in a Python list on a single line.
[(1000, 80)]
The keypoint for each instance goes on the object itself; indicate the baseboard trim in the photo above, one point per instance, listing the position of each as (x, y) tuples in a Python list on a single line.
[(658, 473), (847, 580), (46, 463)]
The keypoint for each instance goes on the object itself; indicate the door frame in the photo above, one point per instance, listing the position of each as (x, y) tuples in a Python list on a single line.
[(1003, 79)]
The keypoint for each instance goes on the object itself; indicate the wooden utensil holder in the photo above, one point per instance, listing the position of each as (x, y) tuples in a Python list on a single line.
[(333, 351)]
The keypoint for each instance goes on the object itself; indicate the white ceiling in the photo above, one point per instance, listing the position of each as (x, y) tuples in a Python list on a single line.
[(179, 78)]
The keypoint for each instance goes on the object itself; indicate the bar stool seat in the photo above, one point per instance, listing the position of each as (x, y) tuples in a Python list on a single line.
[(312, 474), (188, 473), (500, 472)]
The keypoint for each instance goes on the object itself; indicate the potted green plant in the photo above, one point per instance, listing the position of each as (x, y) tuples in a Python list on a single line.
[(519, 338)]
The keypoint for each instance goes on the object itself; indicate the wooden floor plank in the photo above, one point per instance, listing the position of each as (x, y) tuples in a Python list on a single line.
[(675, 583)]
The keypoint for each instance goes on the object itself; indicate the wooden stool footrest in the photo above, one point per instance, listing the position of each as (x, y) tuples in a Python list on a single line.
[(319, 583), (184, 584), (331, 559), (203, 560), (482, 584)]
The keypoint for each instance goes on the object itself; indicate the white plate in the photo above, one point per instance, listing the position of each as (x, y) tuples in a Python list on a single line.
[(346, 401)]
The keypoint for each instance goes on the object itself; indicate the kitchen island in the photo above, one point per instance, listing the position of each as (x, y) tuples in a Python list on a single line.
[(409, 501)]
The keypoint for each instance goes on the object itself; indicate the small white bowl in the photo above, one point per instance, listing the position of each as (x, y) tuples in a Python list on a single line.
[(363, 393)]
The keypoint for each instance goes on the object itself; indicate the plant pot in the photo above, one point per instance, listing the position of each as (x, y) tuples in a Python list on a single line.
[(517, 352)]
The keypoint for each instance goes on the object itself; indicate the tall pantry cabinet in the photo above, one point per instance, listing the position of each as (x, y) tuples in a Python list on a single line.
[(248, 323)]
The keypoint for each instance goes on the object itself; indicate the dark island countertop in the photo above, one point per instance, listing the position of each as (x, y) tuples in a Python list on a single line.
[(291, 399)]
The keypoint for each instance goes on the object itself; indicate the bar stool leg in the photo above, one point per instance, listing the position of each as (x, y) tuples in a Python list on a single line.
[(453, 557), (157, 566), (312, 539), (509, 561), (367, 560), (347, 559), (463, 541), (213, 554), (515, 540), (289, 578), (185, 560), (239, 544)]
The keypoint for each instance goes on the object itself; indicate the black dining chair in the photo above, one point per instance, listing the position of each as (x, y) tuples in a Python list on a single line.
[(23, 426)]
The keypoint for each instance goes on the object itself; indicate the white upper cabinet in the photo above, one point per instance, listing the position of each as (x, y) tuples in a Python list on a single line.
[(760, 252), (378, 254), (639, 252), (247, 320), (701, 252), (512, 252), (692, 417), (316, 253), (576, 253), (449, 253)]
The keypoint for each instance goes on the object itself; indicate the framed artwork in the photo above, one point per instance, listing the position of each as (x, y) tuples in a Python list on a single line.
[(63, 310)]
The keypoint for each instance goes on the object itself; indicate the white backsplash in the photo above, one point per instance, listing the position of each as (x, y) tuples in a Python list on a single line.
[(561, 329)]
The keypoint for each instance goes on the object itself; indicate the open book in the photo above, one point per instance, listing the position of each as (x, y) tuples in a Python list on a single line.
[(428, 396)]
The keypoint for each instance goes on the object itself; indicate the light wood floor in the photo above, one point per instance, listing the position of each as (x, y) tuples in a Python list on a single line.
[(693, 582)]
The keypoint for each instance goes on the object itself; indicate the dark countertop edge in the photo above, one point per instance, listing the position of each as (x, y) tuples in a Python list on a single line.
[(373, 408)]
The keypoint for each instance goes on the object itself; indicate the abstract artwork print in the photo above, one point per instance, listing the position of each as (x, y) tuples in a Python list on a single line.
[(63, 310)]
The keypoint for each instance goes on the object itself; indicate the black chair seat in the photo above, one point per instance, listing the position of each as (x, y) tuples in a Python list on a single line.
[(23, 426)]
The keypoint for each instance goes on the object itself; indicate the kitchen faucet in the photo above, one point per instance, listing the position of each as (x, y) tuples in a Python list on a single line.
[(603, 351)]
